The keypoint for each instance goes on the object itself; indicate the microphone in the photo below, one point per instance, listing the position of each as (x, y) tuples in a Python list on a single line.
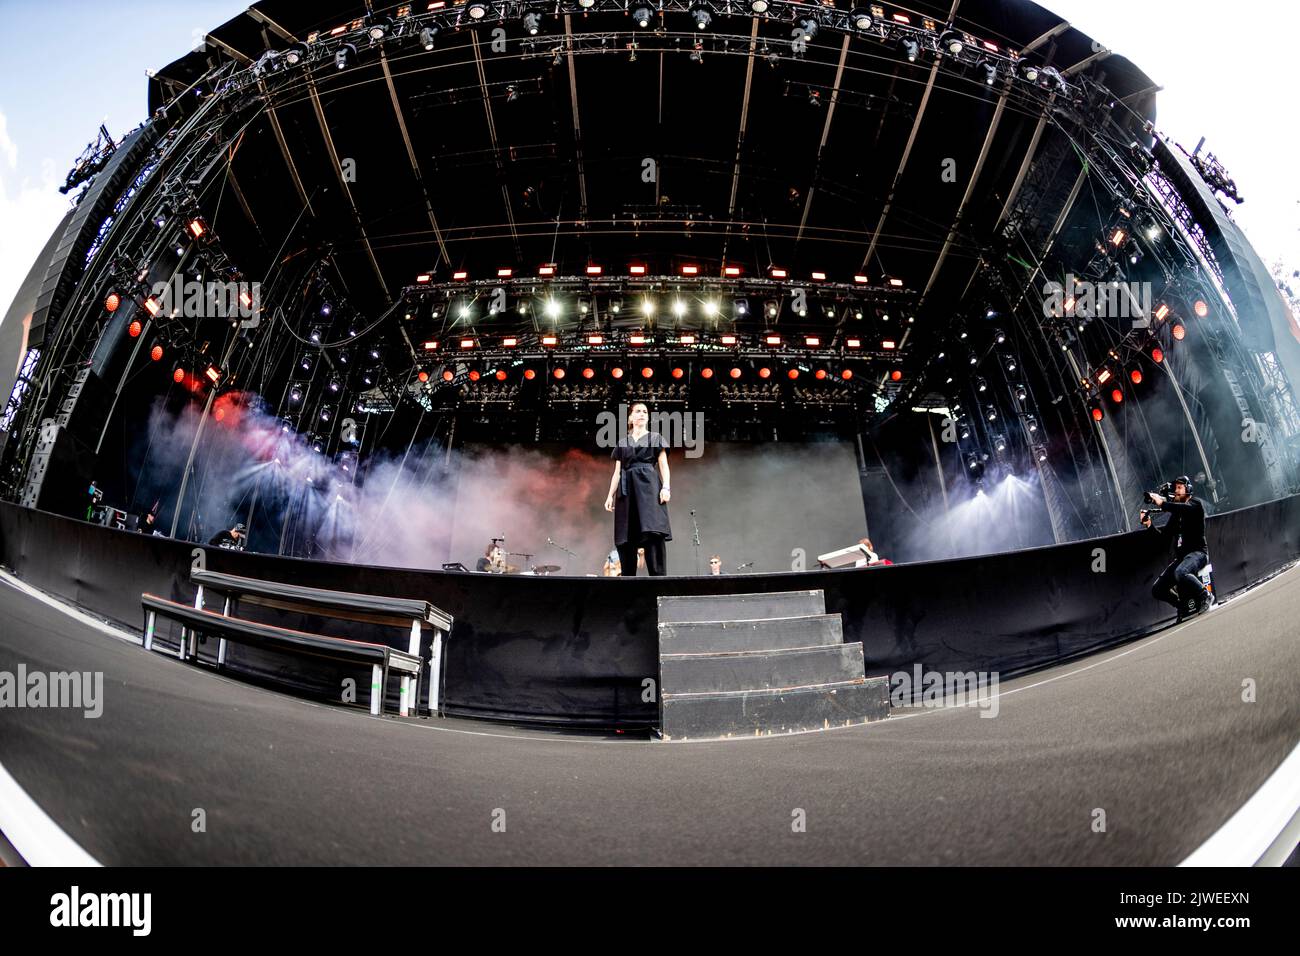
[(748, 564)]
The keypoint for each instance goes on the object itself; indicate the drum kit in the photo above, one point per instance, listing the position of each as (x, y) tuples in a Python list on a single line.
[(498, 562)]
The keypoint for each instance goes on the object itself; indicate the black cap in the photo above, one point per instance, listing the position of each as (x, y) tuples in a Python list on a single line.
[(1184, 481)]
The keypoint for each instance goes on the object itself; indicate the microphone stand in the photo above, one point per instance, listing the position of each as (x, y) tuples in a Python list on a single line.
[(748, 564), (696, 541)]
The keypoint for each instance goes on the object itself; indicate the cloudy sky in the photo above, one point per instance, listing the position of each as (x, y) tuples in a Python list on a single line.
[(61, 76)]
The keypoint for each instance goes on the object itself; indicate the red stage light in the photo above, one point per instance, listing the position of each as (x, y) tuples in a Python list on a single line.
[(593, 270), (134, 329), (588, 372), (550, 340), (764, 372), (1157, 355), (846, 374), (509, 342), (819, 276), (731, 271), (812, 341), (1136, 376), (686, 340), (430, 346), (896, 375), (820, 374), (678, 373), (505, 273), (595, 340), (474, 375), (1202, 310), (728, 340), (423, 277), (1117, 395), (460, 276), (616, 372), (448, 375), (112, 302), (690, 270), (1097, 414), (529, 374), (501, 375), (156, 353), (558, 373), (1179, 332), (861, 280), (793, 373), (423, 376), (706, 372), (888, 344), (647, 372), (178, 375), (779, 273), (636, 270), (735, 372), (773, 340), (853, 343), (467, 343)]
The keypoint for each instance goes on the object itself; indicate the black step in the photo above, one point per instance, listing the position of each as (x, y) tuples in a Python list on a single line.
[(769, 634), (763, 713), (760, 670), (740, 607)]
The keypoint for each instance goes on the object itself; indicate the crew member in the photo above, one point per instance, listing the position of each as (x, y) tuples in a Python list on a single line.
[(639, 492), (233, 540), (869, 557), (715, 564), (1179, 584)]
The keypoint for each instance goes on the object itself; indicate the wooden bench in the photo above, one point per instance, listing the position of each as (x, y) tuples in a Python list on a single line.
[(405, 613), (380, 657)]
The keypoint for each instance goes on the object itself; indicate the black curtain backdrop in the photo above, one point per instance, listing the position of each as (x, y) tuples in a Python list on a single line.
[(576, 650)]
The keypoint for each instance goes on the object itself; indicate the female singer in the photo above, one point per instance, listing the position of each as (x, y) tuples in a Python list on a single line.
[(639, 493)]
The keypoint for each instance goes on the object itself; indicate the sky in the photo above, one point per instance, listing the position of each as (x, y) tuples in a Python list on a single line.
[(1220, 77)]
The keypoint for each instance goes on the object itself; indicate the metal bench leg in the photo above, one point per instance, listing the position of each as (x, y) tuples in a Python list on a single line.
[(376, 691), (180, 651), (404, 698), (221, 644), (150, 621), (435, 673)]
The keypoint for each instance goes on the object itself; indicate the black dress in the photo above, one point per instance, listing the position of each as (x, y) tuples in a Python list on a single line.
[(637, 509)]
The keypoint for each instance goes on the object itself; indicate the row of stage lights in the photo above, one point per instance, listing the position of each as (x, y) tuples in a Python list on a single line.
[(1108, 378), (640, 271), (907, 30), (618, 373), (727, 340)]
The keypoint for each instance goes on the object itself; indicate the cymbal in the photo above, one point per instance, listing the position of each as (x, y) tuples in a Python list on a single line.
[(546, 568)]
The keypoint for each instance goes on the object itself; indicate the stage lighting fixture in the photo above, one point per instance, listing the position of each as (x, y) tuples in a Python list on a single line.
[(213, 374), (501, 375), (862, 19), (475, 375), (616, 371), (965, 432), (1179, 333), (728, 339), (589, 372), (550, 341), (990, 71), (1031, 423), (428, 37), (701, 16), (1201, 308), (807, 29), (706, 372), (532, 22), (134, 329), (551, 309), (643, 16), (896, 375), (586, 4), (345, 56), (735, 372), (742, 307), (711, 309), (1021, 394), (846, 374), (156, 353), (379, 28), (477, 10), (952, 41), (293, 56), (819, 374), (981, 385), (558, 373), (992, 415), (529, 374), (327, 411), (911, 49), (335, 386), (1153, 232), (1029, 72), (758, 6), (512, 93), (647, 307), (678, 372), (999, 443), (1135, 376), (1157, 355), (647, 372), (178, 374), (1117, 395), (1011, 364)]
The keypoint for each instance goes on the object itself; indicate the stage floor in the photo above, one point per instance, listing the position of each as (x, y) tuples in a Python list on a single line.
[(1155, 733)]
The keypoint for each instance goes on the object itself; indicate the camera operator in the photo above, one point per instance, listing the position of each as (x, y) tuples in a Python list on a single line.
[(236, 539), (1179, 584)]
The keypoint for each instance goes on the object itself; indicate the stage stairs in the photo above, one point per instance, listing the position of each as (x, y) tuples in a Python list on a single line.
[(753, 665)]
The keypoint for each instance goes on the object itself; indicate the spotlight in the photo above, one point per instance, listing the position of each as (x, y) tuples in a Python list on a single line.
[(1157, 355), (1117, 395), (992, 415), (758, 6), (616, 371), (478, 10), (1029, 72), (647, 307), (178, 374), (428, 36), (588, 372), (807, 29), (911, 49), (702, 17), (1011, 364), (1097, 413), (1135, 376), (156, 353), (112, 302), (999, 336), (586, 4), (981, 385), (293, 56), (846, 374), (1179, 332), (990, 71), (952, 41), (1201, 309), (501, 375), (642, 17), (711, 309), (735, 372), (862, 19), (379, 28), (345, 56), (679, 308), (558, 373), (647, 372), (134, 329), (532, 22)]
